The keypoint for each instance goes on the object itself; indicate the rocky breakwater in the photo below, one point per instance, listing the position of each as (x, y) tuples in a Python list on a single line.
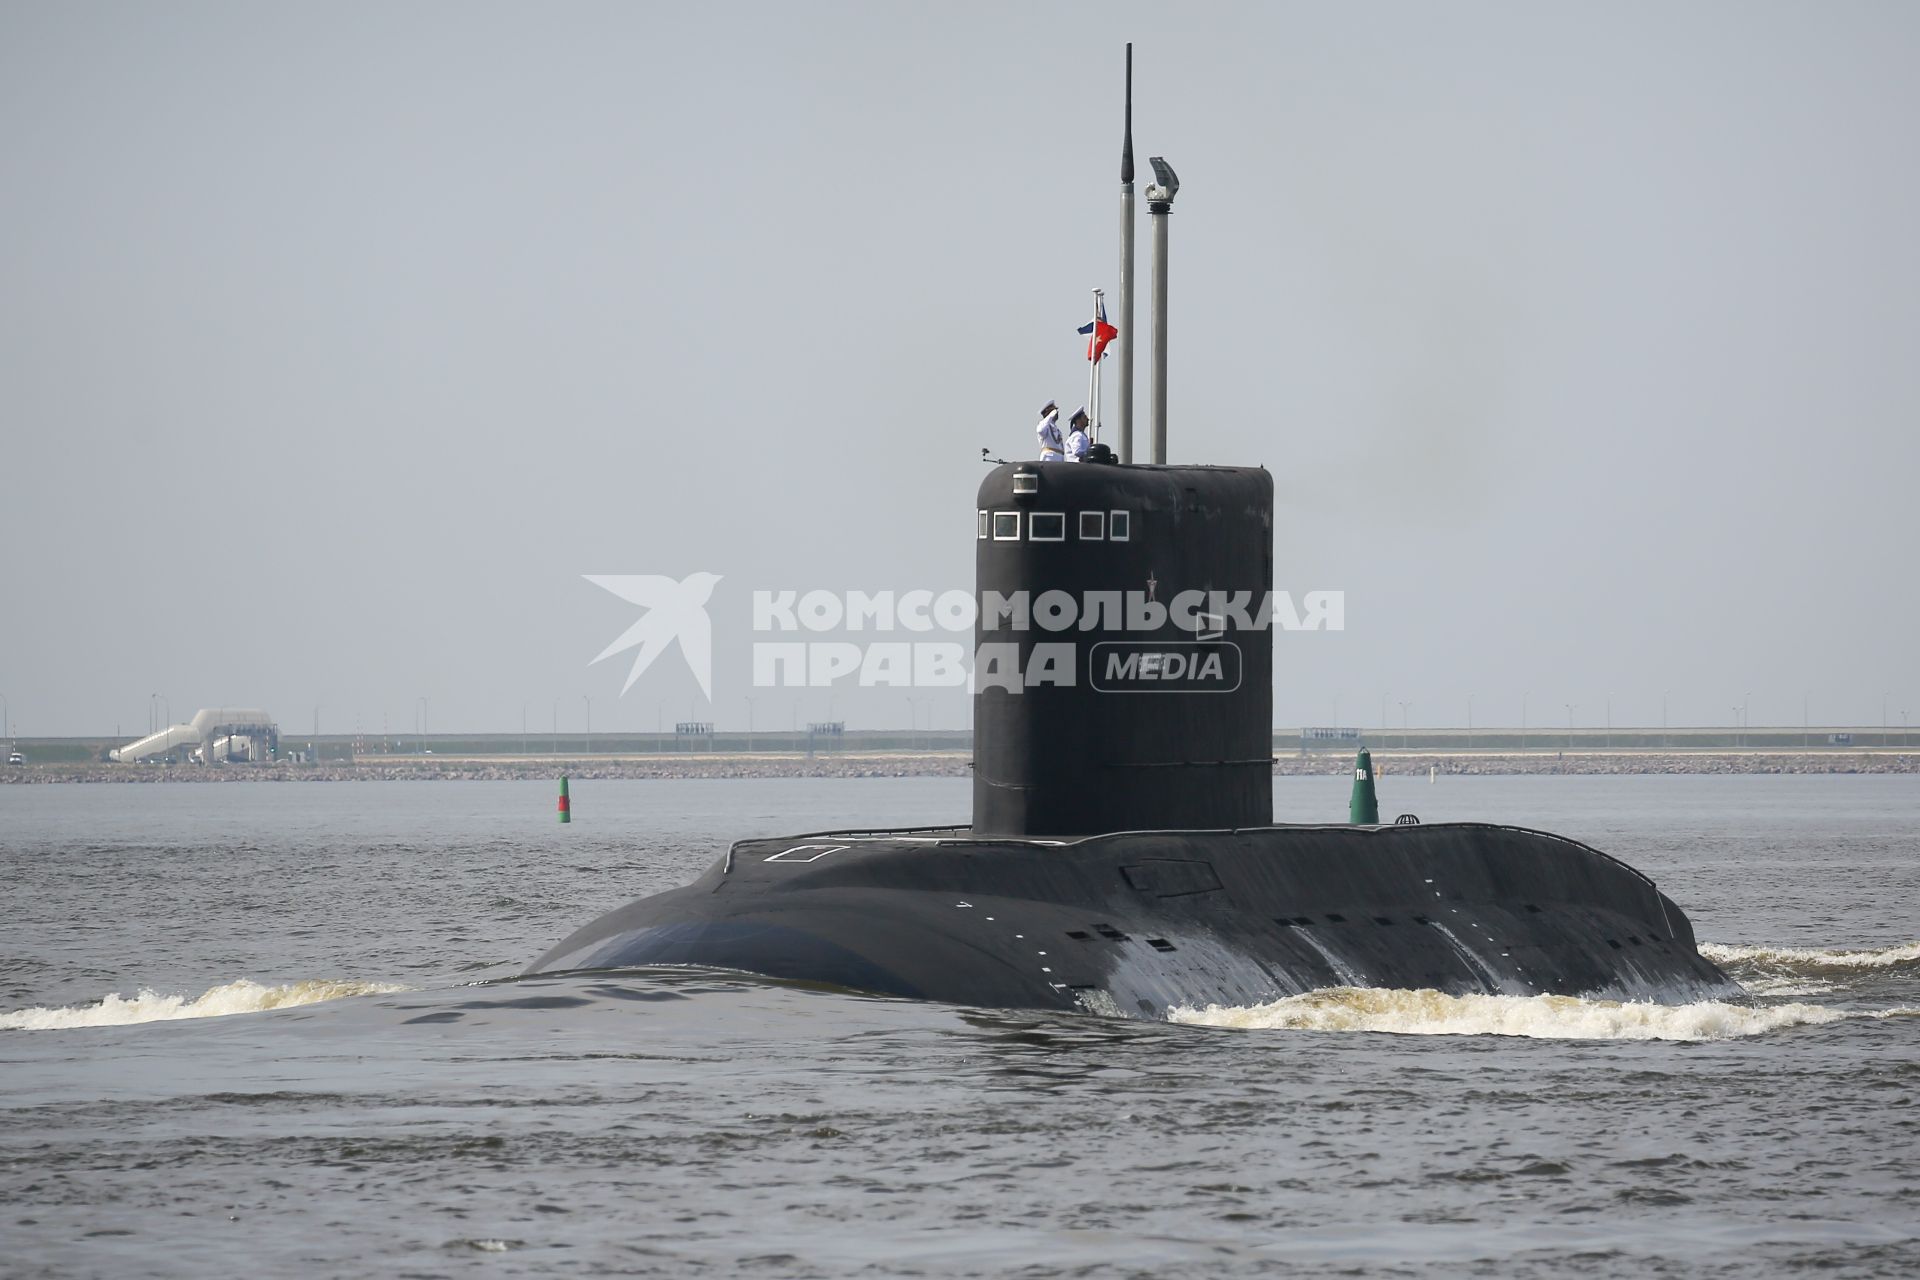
[(932, 764), (1388, 762)]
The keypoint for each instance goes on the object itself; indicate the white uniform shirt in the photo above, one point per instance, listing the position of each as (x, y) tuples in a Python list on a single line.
[(1049, 433), (1077, 443)]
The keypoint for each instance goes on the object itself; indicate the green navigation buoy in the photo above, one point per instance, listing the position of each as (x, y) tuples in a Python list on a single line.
[(566, 809), (1364, 808)]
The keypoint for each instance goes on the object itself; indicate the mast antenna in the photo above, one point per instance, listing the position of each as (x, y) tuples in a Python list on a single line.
[(1123, 404)]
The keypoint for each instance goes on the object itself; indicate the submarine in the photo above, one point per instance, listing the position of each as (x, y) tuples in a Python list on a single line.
[(1123, 858)]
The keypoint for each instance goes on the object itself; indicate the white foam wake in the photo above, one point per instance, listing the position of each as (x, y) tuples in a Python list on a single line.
[(243, 996), (1778, 986), (1434, 1013), (1813, 958)]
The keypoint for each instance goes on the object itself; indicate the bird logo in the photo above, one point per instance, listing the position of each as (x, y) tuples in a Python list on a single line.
[(674, 611)]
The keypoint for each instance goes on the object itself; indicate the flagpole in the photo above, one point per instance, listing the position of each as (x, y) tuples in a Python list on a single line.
[(1093, 368), (1099, 365)]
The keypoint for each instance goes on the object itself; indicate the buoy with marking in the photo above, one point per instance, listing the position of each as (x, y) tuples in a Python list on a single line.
[(566, 810), (1364, 808)]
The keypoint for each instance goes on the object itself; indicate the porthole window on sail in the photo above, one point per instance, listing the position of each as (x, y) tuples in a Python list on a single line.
[(1093, 526), (983, 523), (1047, 526), (1006, 526), (1120, 526)]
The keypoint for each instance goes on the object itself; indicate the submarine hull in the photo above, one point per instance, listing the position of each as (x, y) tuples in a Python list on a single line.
[(1141, 923)]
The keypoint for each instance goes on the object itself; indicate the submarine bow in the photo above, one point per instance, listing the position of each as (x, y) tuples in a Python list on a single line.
[(1140, 923)]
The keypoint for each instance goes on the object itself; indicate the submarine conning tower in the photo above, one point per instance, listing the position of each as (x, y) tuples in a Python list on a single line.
[(1124, 661)]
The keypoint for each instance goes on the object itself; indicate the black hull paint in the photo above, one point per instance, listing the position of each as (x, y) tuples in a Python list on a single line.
[(1138, 923)]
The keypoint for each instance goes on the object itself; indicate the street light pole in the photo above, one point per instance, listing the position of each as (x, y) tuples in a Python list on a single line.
[(1469, 722), (588, 699), (1609, 720), (1404, 704), (1570, 707)]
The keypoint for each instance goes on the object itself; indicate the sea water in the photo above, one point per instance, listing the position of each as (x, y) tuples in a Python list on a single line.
[(273, 1029)]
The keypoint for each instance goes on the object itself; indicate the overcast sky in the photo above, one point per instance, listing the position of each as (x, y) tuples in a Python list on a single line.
[(337, 342)]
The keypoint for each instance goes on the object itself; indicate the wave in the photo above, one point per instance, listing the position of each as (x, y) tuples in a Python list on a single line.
[(1434, 1013), (1811, 958), (1777, 986), (243, 996)]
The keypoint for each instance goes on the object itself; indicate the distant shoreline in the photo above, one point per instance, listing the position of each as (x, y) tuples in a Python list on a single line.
[(953, 764)]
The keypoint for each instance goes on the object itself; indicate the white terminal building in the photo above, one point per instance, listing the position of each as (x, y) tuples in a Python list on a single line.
[(215, 735)]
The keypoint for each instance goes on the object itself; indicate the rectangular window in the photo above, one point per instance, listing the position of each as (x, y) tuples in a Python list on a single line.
[(983, 523), (1047, 526), (1006, 526), (1093, 526), (1120, 526)]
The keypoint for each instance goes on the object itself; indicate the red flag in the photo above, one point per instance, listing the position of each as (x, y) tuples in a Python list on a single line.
[(1101, 333)]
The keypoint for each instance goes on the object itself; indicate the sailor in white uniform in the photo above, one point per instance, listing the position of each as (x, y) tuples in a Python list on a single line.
[(1049, 433), (1077, 438)]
